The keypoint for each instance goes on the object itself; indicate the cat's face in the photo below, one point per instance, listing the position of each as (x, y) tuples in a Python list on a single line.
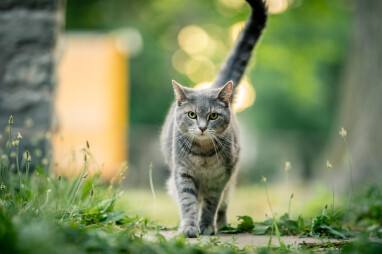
[(202, 113)]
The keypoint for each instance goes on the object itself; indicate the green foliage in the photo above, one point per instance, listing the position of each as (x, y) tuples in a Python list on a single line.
[(369, 211), (286, 226), (325, 225), (45, 213), (246, 224), (362, 245), (329, 225)]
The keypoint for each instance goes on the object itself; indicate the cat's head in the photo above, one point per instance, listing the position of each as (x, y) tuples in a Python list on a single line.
[(202, 113)]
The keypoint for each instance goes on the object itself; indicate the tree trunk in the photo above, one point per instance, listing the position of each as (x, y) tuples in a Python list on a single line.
[(360, 100), (28, 56)]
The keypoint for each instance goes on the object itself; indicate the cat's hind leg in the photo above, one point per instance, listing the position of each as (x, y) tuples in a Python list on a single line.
[(221, 216), (209, 208)]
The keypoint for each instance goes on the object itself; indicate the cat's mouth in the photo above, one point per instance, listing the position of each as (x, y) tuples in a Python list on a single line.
[(202, 136)]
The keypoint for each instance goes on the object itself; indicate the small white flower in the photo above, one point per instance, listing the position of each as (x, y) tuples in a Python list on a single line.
[(13, 155), (29, 157), (15, 143), (328, 164), (288, 166), (19, 137), (11, 120), (343, 132), (3, 157)]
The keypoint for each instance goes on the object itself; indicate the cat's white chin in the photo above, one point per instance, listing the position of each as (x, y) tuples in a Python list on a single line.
[(202, 137)]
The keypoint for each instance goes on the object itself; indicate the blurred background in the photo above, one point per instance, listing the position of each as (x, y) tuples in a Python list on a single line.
[(315, 70), (295, 73)]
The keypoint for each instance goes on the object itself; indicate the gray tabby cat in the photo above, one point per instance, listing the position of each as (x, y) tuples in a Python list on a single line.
[(200, 138)]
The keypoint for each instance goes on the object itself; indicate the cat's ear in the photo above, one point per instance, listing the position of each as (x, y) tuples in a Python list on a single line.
[(225, 92), (179, 91)]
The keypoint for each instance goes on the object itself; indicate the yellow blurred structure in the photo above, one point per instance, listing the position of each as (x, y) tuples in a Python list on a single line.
[(92, 104)]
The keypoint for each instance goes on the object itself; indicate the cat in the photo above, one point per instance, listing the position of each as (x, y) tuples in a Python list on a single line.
[(200, 138)]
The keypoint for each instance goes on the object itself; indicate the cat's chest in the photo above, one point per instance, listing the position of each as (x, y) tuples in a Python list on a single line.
[(208, 168)]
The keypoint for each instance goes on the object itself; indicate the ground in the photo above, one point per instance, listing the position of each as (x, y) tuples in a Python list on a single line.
[(243, 240)]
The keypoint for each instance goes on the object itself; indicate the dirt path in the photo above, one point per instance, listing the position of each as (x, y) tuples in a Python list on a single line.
[(242, 240)]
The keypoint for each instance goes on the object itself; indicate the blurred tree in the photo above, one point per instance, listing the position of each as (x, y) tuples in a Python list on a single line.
[(28, 39), (360, 110), (297, 75)]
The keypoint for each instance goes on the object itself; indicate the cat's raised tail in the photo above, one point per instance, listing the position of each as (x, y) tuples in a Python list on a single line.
[(237, 60)]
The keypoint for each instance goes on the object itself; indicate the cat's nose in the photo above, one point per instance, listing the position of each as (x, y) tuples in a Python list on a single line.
[(202, 128)]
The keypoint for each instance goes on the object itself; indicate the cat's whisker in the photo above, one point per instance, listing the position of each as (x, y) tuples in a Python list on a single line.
[(224, 138), (223, 148), (217, 154)]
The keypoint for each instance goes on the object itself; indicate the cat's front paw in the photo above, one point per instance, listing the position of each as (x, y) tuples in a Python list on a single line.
[(190, 231), (207, 230)]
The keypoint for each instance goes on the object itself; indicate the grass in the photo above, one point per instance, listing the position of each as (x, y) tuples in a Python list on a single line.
[(249, 200), (41, 212)]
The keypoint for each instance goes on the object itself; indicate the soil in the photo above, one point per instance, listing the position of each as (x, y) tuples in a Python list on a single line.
[(242, 240)]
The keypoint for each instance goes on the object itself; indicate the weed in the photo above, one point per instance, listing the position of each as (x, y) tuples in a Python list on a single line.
[(153, 190), (343, 134), (329, 167), (274, 224), (41, 212), (369, 212), (290, 201), (329, 225)]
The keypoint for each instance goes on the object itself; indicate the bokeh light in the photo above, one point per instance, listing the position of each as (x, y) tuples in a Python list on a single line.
[(200, 68), (179, 59), (193, 39), (278, 6), (235, 30), (234, 4), (245, 94)]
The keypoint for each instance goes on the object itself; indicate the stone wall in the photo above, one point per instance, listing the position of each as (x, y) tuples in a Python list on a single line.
[(29, 32)]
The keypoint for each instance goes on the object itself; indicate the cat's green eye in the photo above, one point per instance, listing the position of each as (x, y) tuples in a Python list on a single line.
[(213, 116), (192, 115)]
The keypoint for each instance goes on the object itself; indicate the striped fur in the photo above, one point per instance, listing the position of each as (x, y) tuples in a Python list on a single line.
[(202, 152)]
